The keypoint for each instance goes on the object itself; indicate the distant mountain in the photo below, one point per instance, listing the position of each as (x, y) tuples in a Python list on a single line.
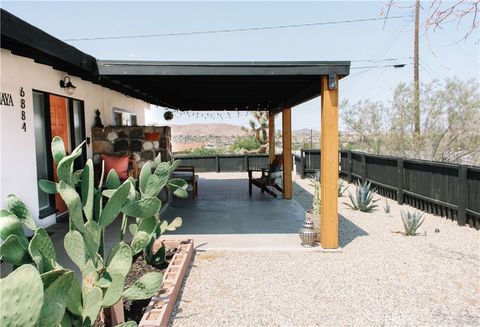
[(214, 129), (305, 132), (220, 129)]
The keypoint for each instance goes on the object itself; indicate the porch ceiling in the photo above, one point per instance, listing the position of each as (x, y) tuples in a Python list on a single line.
[(222, 85)]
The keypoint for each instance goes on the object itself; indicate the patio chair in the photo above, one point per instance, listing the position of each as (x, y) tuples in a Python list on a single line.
[(268, 181)]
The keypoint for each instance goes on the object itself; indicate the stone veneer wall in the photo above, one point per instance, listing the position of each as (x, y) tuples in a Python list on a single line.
[(126, 140)]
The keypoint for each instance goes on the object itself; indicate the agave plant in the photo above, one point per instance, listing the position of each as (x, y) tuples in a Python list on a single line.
[(316, 202), (64, 300), (342, 188), (363, 199), (411, 222)]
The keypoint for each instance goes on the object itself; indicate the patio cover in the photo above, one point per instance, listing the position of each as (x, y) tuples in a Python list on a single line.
[(223, 85)]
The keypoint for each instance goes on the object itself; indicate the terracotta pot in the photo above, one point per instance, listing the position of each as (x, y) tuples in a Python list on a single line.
[(315, 218)]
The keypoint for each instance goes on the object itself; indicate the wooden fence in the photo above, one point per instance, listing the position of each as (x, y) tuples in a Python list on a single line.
[(225, 163), (447, 190)]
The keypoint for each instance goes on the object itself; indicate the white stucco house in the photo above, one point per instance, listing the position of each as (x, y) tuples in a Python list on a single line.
[(35, 107)]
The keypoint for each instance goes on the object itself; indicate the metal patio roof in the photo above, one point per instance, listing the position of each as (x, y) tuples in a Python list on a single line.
[(223, 85)]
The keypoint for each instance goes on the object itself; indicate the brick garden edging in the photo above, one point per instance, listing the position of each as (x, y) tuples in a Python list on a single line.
[(160, 308)]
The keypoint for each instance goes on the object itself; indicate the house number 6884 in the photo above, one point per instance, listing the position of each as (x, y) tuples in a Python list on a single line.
[(22, 106)]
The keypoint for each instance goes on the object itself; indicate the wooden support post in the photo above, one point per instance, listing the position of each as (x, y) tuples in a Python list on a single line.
[(462, 195), (329, 165), (401, 180), (287, 152), (271, 136)]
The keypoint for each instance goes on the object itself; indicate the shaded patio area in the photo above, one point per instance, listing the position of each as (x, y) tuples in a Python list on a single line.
[(224, 216)]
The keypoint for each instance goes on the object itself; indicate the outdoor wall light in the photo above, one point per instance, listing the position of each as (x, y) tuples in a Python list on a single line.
[(67, 85)]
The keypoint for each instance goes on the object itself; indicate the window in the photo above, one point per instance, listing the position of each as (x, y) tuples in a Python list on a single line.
[(44, 163), (124, 118), (77, 129)]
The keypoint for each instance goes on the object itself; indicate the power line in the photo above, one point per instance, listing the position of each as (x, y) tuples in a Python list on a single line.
[(246, 29)]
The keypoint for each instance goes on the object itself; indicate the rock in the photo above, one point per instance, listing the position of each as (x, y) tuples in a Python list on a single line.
[(112, 136), (137, 133), (156, 145), (137, 156), (148, 155), (147, 145), (102, 147), (122, 135), (120, 145), (98, 133), (136, 145)]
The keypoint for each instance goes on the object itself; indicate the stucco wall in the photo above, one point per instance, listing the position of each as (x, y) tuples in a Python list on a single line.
[(17, 147)]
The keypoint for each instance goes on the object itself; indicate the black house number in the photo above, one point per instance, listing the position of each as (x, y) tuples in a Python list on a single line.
[(22, 112)]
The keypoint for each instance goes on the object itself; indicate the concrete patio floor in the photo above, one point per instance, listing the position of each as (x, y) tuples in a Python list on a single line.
[(224, 216)]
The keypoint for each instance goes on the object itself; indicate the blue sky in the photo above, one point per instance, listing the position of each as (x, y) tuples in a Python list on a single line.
[(440, 57)]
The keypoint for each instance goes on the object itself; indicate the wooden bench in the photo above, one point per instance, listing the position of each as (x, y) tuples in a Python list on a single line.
[(187, 173)]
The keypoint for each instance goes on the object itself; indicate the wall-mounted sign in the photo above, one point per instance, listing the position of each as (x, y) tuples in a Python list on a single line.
[(6, 99), (22, 105)]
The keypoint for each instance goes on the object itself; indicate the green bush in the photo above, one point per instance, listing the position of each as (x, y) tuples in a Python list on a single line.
[(205, 152), (248, 143)]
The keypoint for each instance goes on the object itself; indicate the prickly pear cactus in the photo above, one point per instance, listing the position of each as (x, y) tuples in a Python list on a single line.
[(21, 297), (19, 209), (145, 287)]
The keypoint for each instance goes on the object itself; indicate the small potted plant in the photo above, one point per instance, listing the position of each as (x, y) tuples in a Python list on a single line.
[(314, 213)]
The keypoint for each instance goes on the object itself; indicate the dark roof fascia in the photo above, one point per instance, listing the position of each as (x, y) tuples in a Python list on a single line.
[(29, 41), (171, 68)]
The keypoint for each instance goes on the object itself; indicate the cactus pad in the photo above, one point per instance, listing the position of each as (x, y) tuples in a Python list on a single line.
[(21, 297), (144, 208), (75, 247), (55, 300), (114, 205), (47, 186), (92, 302), (113, 181), (42, 251), (144, 175), (11, 225), (58, 149), (19, 209), (74, 204), (145, 287)]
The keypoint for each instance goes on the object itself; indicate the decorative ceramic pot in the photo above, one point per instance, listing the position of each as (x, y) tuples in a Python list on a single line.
[(315, 219), (307, 233)]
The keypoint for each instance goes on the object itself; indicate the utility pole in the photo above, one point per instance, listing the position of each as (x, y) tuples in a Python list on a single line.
[(311, 139), (416, 77)]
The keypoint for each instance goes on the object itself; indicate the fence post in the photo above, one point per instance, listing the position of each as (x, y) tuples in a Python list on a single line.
[(363, 158), (349, 166), (302, 164), (462, 195), (218, 163), (401, 179), (246, 161)]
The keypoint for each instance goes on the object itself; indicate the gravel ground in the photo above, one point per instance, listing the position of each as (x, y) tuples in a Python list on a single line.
[(380, 278)]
